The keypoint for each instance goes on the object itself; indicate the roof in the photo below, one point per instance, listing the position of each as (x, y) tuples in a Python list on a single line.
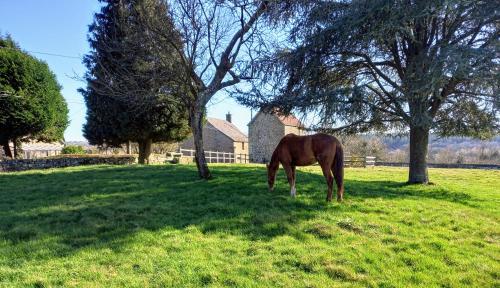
[(41, 146), (228, 129), (289, 120)]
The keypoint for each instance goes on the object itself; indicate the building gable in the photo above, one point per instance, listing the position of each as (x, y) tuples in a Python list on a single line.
[(265, 132), (289, 120), (228, 129)]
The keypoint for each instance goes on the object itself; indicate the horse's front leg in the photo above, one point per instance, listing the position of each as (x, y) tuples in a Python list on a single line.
[(290, 174)]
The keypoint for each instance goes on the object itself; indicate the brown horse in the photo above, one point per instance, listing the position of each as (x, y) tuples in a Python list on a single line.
[(295, 150)]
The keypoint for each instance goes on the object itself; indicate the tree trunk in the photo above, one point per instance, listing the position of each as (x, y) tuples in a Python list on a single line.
[(16, 154), (419, 141), (128, 147), (144, 151), (195, 121), (6, 149)]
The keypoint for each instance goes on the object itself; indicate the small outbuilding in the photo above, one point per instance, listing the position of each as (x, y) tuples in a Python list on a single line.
[(265, 130), (35, 149)]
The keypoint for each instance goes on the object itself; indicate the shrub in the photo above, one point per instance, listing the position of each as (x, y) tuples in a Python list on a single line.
[(72, 149)]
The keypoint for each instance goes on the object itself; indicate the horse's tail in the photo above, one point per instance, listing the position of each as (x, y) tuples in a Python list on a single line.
[(338, 171)]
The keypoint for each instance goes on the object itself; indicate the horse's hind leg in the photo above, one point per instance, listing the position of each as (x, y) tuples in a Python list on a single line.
[(338, 173), (329, 179)]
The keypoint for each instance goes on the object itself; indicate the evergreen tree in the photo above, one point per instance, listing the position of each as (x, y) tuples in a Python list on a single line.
[(421, 66), (31, 104), (130, 95)]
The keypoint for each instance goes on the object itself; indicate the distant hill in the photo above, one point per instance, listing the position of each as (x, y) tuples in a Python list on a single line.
[(84, 144), (394, 143), (447, 150)]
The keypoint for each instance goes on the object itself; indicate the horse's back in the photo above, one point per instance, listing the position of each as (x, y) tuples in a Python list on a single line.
[(324, 143), (319, 140), (305, 150)]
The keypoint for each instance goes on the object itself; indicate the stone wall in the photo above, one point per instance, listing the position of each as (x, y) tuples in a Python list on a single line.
[(66, 161), (157, 158), (264, 133), (213, 140)]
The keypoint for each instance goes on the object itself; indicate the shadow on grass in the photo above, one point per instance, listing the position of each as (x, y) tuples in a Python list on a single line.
[(101, 206), (389, 189)]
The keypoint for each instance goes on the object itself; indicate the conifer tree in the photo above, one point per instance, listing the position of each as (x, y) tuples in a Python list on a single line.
[(130, 94), (411, 66), (31, 104)]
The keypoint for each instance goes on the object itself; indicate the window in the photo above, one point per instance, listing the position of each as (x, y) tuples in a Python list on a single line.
[(242, 145)]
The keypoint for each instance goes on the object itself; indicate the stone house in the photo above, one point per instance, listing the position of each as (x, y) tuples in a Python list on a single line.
[(222, 136), (266, 130)]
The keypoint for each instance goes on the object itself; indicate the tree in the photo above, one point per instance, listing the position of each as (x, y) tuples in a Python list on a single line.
[(73, 149), (365, 65), (31, 104), (129, 94), (363, 145), (112, 123), (219, 41)]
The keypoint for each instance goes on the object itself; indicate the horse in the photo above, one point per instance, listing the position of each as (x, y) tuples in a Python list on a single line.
[(295, 150)]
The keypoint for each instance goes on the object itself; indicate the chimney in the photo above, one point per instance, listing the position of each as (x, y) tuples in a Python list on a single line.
[(228, 117)]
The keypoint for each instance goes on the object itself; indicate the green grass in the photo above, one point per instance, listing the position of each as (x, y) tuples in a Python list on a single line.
[(156, 226)]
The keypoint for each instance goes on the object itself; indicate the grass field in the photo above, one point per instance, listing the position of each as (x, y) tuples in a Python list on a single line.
[(159, 226)]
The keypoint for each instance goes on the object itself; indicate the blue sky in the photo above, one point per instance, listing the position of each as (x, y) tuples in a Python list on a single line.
[(60, 27)]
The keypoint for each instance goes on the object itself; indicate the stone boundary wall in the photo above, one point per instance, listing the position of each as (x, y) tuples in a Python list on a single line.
[(444, 165), (156, 158), (64, 161)]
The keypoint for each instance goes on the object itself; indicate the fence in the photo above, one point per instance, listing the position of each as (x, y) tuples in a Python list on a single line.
[(219, 157), (227, 157), (358, 161)]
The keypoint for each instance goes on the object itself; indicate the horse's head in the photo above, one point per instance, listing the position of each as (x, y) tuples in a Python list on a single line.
[(271, 176)]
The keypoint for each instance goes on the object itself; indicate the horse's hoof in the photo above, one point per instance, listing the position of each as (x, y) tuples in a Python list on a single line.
[(340, 200)]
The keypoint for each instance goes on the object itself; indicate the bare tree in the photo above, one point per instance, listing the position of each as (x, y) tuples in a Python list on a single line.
[(220, 41)]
